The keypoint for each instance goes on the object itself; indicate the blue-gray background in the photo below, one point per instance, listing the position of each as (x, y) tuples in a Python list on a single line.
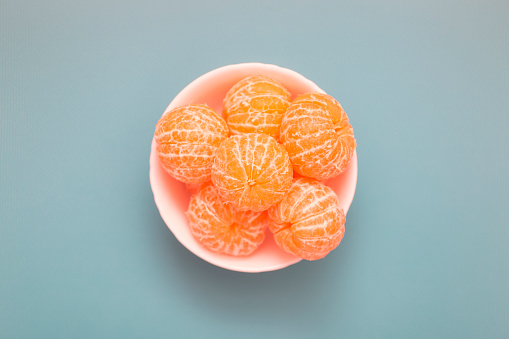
[(85, 254)]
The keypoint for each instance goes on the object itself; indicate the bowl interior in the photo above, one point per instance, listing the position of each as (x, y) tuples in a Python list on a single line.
[(172, 198)]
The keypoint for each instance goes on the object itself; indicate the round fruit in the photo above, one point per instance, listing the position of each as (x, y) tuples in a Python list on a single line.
[(251, 171), (256, 105), (187, 138), (221, 228), (308, 222), (317, 135)]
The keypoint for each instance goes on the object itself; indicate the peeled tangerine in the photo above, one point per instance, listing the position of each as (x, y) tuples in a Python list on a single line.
[(187, 138), (256, 104), (317, 135), (251, 171), (308, 222), (221, 228)]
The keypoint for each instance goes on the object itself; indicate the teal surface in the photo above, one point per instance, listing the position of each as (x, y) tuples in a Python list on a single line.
[(85, 254)]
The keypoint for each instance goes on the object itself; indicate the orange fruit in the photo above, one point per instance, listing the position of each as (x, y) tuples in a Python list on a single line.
[(317, 135), (256, 105), (308, 222), (187, 138), (251, 171), (221, 228)]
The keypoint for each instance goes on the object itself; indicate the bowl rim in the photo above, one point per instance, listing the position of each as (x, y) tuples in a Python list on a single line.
[(228, 68)]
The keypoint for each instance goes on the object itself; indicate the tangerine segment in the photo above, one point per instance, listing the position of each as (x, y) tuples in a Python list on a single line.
[(187, 138), (317, 135), (251, 171), (256, 104), (219, 227), (308, 222)]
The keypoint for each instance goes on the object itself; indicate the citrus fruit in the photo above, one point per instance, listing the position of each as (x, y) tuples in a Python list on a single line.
[(251, 171), (256, 105), (221, 228), (317, 135), (187, 138), (308, 222)]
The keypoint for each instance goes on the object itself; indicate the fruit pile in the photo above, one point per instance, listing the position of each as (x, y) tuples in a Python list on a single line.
[(260, 166)]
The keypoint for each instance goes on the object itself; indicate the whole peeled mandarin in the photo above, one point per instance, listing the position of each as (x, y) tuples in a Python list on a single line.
[(317, 135), (308, 222), (187, 138), (251, 171), (256, 104), (219, 227)]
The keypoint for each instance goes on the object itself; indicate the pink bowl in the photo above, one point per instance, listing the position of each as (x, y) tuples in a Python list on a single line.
[(172, 198)]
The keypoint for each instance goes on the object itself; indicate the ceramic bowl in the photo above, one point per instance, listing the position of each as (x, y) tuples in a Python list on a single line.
[(172, 198)]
